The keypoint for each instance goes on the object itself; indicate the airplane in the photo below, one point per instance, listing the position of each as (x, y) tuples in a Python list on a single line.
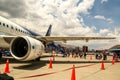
[(25, 45)]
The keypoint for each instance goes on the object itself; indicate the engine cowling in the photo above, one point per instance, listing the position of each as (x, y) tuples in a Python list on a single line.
[(26, 48)]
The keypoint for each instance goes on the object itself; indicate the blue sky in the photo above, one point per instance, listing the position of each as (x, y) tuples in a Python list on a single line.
[(68, 17), (109, 9)]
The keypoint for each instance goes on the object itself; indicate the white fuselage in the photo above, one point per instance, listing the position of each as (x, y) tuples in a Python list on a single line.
[(9, 28)]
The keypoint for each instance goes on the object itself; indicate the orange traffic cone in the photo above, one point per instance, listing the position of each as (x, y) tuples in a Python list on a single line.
[(90, 57), (50, 65), (7, 67), (73, 76), (102, 65), (113, 62)]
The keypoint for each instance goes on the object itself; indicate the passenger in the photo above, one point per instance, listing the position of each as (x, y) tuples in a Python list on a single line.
[(73, 52), (0, 55), (68, 53), (114, 56), (80, 54), (104, 55), (85, 54)]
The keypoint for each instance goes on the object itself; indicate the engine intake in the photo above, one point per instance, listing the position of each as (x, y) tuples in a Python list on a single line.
[(26, 48)]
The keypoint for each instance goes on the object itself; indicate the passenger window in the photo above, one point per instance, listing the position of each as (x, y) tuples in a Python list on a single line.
[(3, 24), (7, 26), (11, 27)]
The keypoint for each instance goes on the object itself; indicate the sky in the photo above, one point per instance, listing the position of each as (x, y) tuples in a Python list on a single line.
[(68, 17)]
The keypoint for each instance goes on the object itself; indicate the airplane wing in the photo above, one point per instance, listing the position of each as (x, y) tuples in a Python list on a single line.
[(49, 38), (8, 39)]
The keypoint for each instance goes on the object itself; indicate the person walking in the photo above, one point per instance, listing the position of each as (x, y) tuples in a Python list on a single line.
[(104, 55)]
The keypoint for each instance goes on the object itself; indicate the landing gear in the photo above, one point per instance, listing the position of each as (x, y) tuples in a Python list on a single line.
[(37, 59)]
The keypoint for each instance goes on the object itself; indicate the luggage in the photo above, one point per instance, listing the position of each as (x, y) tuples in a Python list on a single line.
[(5, 77)]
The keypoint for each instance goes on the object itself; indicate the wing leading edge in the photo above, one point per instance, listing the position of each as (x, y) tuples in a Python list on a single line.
[(49, 38)]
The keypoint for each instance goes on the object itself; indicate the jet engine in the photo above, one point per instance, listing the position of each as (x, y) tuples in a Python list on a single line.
[(25, 48)]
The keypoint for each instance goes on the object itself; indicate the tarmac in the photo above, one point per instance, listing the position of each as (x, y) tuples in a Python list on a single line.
[(85, 69)]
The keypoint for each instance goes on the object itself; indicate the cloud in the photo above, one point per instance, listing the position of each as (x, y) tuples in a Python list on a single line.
[(104, 31), (15, 8), (99, 17), (103, 18), (109, 20), (103, 1), (4, 14), (85, 5), (64, 15)]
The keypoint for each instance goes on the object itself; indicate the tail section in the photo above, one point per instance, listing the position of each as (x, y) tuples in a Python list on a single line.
[(49, 31)]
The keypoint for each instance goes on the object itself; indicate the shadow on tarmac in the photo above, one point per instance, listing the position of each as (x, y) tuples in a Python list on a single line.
[(24, 65), (31, 66)]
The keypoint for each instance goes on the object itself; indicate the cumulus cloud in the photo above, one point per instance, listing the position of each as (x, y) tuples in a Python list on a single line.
[(15, 8), (62, 14), (40, 13), (99, 17), (103, 1), (104, 31), (103, 18), (85, 5), (4, 14)]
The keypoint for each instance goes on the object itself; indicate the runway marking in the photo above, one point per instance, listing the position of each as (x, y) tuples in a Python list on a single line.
[(45, 74)]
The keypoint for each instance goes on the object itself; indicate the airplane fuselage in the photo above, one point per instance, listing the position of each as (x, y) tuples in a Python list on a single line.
[(9, 28)]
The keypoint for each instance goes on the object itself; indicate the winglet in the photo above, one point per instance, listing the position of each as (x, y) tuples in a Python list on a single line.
[(49, 31)]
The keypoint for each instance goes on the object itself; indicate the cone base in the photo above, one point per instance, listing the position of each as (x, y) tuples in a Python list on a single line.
[(6, 72), (102, 68)]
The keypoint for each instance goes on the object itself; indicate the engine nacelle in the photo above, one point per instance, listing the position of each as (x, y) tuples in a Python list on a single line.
[(26, 48)]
